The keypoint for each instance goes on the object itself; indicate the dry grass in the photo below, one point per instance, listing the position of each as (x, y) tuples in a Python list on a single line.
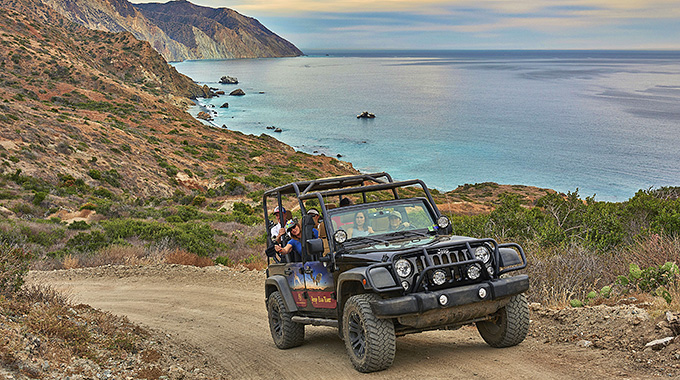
[(70, 262), (559, 275), (187, 258)]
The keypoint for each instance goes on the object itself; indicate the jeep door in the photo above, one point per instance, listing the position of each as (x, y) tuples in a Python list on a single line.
[(320, 287)]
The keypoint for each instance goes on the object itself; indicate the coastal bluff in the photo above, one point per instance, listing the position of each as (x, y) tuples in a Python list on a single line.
[(180, 30)]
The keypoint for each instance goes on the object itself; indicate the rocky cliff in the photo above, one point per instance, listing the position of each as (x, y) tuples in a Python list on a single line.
[(180, 30), (211, 33)]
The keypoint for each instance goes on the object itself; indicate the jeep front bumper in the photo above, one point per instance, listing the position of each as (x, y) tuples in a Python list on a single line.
[(452, 305)]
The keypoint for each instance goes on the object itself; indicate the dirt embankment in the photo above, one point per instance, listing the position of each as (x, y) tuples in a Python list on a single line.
[(217, 318)]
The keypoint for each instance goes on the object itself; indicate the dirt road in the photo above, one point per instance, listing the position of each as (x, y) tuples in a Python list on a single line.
[(221, 312)]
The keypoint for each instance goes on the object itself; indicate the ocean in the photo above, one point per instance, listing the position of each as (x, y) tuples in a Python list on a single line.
[(604, 122)]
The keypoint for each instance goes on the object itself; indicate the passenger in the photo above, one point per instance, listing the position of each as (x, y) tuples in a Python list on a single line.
[(295, 243), (315, 215), (395, 222), (360, 227), (277, 231), (345, 202)]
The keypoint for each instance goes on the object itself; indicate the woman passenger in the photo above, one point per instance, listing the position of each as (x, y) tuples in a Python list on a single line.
[(360, 227)]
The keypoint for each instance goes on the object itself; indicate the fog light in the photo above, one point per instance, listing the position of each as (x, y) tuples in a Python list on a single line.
[(482, 293), (405, 285), (443, 299), (439, 277), (443, 222), (474, 271)]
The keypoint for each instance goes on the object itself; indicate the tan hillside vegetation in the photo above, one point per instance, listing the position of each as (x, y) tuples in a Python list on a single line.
[(78, 101)]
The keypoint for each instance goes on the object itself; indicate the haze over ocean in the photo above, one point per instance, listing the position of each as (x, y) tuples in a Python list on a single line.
[(605, 122)]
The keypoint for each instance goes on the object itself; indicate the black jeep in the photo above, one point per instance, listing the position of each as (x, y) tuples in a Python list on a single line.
[(386, 266)]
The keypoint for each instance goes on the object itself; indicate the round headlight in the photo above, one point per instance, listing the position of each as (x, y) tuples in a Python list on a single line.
[(474, 271), (340, 236), (443, 222), (403, 268), (439, 277), (483, 254)]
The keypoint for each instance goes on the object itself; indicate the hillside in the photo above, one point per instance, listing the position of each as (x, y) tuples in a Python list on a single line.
[(105, 110), (180, 30)]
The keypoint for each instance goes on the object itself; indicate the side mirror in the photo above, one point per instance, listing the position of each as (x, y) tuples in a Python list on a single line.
[(314, 247), (270, 251)]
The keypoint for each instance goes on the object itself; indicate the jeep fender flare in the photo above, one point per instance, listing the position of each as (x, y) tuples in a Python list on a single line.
[(280, 283), (351, 279)]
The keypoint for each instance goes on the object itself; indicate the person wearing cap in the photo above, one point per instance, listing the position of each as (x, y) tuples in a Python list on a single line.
[(295, 243), (395, 222), (315, 215), (277, 231)]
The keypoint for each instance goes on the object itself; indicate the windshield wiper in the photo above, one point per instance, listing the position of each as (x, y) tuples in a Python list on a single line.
[(407, 233), (364, 239)]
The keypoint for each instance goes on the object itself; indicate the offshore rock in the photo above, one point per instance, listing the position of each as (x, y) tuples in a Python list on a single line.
[(237, 92), (228, 80)]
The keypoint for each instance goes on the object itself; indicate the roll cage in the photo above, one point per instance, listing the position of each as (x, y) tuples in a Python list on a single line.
[(324, 188)]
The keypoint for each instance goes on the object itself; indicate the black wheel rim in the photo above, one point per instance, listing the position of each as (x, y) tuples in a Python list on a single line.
[(275, 319), (357, 338)]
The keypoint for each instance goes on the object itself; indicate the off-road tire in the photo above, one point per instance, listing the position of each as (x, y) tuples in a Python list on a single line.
[(509, 326), (286, 333), (370, 342)]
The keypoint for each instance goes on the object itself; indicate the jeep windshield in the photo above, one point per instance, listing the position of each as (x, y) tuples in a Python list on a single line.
[(384, 223)]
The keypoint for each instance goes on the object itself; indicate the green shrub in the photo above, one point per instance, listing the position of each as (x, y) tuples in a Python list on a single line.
[(39, 197), (94, 173), (224, 260), (651, 278), (14, 264), (79, 225), (87, 242)]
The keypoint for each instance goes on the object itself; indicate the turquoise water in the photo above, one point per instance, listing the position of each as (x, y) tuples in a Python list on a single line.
[(607, 123)]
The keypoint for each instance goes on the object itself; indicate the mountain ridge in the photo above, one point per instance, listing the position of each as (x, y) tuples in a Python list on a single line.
[(180, 30)]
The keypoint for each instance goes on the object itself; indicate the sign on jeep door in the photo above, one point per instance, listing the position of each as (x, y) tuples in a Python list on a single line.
[(320, 285), (296, 282)]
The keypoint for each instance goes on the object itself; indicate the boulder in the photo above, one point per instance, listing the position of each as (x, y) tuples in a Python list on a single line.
[(237, 92), (220, 92), (228, 80), (366, 115), (204, 115), (225, 105), (206, 91), (279, 130)]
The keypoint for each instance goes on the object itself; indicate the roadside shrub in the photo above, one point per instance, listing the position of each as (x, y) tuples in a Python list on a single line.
[(224, 260), (87, 242), (14, 264), (653, 279), (187, 258)]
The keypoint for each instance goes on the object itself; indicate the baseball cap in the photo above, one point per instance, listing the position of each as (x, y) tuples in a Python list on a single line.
[(312, 212), (277, 209), (290, 224), (396, 214)]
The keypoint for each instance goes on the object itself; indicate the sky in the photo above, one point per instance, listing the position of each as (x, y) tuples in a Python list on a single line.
[(466, 24)]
